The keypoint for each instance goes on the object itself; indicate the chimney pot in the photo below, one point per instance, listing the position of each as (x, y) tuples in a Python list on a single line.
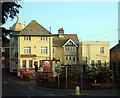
[(61, 32)]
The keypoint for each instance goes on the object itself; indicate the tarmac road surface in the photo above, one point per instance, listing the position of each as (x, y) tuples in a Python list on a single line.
[(13, 86)]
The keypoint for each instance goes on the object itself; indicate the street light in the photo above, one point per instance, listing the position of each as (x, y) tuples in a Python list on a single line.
[(112, 77), (80, 66), (81, 80)]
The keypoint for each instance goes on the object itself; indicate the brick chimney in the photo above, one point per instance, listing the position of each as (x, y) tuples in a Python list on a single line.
[(61, 32)]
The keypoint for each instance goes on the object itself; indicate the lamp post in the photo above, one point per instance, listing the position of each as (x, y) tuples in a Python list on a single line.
[(58, 81), (112, 77), (66, 77), (81, 79)]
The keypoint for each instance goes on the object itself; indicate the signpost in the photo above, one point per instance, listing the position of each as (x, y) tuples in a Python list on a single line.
[(58, 70)]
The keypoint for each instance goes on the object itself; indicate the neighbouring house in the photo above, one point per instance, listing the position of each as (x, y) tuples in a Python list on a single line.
[(92, 53), (115, 54), (65, 48), (5, 54)]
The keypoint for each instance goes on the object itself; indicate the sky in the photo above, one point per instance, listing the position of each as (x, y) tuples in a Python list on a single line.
[(91, 21)]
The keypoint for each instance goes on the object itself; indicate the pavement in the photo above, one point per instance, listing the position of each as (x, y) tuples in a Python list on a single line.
[(107, 92)]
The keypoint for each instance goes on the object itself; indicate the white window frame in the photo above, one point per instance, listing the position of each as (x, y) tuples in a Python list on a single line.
[(44, 50), (102, 50), (66, 57), (27, 38), (70, 57), (27, 50), (44, 38), (70, 49), (30, 63), (99, 60), (23, 63)]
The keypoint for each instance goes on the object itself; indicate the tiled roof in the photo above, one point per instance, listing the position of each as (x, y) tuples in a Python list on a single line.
[(34, 28), (59, 42), (115, 48), (73, 37)]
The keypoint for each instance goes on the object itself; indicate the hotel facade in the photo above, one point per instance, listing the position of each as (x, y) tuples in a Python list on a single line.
[(33, 43)]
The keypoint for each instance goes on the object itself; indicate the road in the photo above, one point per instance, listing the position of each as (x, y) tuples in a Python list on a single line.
[(13, 86)]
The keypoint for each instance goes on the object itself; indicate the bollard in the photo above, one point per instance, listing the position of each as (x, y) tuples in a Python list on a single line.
[(77, 90)]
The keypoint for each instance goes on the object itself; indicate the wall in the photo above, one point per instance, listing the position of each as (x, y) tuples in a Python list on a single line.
[(115, 57), (91, 50), (35, 45)]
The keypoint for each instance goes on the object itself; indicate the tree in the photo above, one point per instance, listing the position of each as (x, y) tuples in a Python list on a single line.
[(9, 10), (98, 72)]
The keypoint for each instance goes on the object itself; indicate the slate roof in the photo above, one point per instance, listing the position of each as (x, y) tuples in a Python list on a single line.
[(34, 28), (115, 48), (59, 42)]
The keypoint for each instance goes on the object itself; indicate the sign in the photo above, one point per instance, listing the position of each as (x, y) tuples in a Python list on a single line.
[(46, 66), (57, 67), (25, 71)]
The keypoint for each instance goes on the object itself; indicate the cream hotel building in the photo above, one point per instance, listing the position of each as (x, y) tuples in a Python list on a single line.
[(35, 43)]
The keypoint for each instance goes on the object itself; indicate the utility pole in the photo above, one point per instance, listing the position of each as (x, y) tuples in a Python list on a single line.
[(66, 77), (58, 81), (81, 81), (113, 77)]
